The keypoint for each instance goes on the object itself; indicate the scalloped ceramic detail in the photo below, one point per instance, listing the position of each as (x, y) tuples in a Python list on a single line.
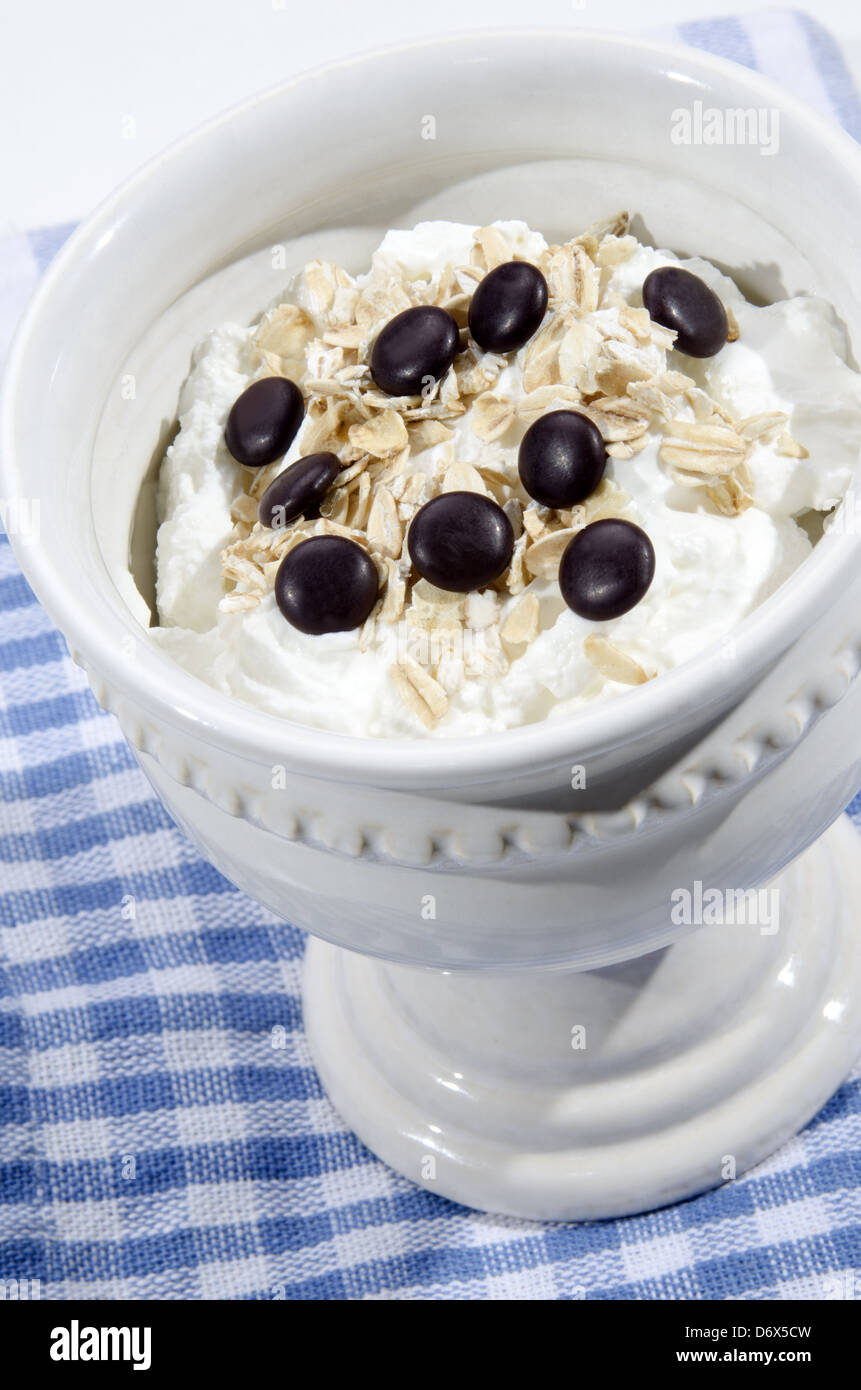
[(525, 874), (472, 1070), (545, 835), (765, 749)]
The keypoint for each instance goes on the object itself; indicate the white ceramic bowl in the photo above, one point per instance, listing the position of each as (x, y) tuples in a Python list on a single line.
[(699, 1059), (685, 774)]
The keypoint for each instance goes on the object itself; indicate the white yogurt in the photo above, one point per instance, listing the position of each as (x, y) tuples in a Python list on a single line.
[(711, 569)]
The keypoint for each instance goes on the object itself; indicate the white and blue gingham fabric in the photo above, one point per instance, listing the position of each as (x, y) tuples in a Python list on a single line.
[(153, 1142)]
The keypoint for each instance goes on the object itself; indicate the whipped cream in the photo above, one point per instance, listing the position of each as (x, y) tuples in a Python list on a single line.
[(713, 566)]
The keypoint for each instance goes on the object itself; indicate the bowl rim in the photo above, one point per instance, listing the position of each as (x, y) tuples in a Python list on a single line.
[(159, 685)]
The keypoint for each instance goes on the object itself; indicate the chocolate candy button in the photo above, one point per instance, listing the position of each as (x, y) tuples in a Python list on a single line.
[(326, 584), (677, 299), (507, 306), (562, 458), (460, 541), (606, 569), (415, 348), (263, 421), (299, 489)]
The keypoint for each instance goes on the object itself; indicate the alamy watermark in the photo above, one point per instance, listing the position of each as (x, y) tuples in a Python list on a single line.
[(20, 1290), (758, 126), (77, 1343), (21, 517), (726, 907)]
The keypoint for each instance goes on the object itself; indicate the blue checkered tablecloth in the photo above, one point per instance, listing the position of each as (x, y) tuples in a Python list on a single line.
[(154, 1144)]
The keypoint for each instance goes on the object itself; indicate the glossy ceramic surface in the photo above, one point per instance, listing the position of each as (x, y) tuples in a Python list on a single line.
[(479, 855)]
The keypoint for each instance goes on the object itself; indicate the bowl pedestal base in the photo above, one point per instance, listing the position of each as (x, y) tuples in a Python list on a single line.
[(560, 1095)]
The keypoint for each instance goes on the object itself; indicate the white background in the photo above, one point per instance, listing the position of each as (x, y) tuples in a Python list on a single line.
[(89, 89)]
